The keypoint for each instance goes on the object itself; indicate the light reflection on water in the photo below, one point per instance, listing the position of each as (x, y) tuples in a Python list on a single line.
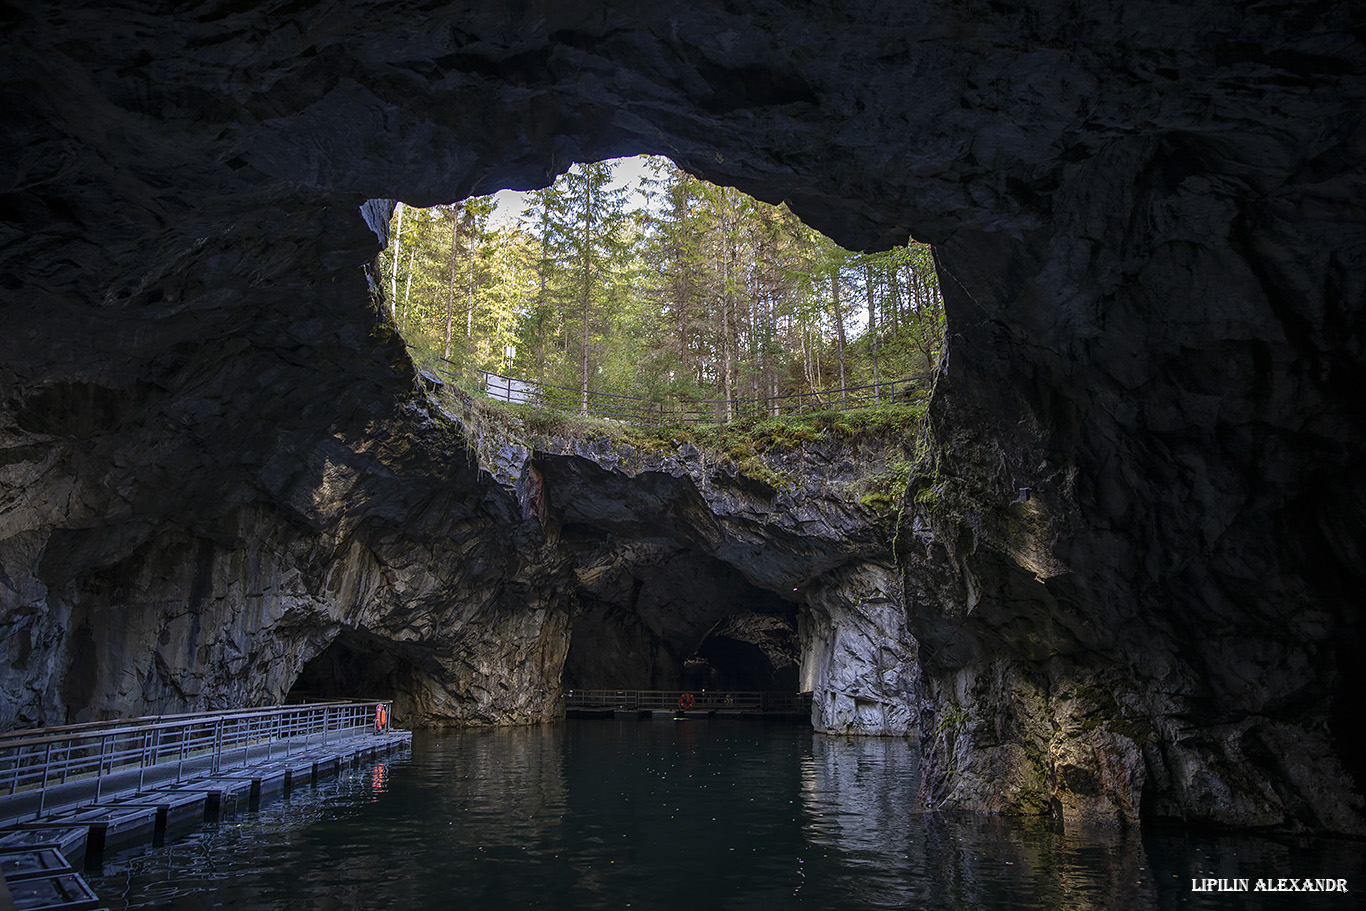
[(664, 815)]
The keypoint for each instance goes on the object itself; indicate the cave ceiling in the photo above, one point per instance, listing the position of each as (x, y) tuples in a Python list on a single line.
[(1148, 221)]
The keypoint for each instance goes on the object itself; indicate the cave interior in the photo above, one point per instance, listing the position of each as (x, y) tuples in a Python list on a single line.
[(686, 622), (1148, 225)]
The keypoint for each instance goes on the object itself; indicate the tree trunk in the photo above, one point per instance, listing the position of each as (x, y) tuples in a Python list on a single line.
[(872, 325), (583, 358), (398, 251), (469, 311), (894, 283), (450, 291), (408, 288), (541, 314), (727, 376), (681, 305), (839, 324), (587, 285), (751, 306), (727, 310)]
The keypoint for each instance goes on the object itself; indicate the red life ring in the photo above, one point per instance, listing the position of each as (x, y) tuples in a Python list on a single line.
[(686, 701), (381, 716)]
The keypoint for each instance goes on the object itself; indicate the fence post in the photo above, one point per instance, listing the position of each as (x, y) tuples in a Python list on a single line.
[(218, 745), (99, 769), (42, 790), (142, 759)]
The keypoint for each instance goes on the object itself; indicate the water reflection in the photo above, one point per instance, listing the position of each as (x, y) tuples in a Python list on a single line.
[(676, 815), (859, 794), (972, 859)]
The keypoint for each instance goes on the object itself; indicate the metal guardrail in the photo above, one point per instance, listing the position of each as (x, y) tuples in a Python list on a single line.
[(39, 759), (647, 412), (694, 700), (636, 410)]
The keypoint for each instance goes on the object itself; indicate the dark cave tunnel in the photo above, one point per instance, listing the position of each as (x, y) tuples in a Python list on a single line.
[(687, 622), (358, 664)]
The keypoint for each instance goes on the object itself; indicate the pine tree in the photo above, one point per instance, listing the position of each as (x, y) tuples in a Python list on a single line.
[(547, 208), (709, 294), (453, 219), (590, 228)]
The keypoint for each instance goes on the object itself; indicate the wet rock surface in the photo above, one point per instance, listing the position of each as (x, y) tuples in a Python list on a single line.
[(1149, 232), (858, 659), (692, 570)]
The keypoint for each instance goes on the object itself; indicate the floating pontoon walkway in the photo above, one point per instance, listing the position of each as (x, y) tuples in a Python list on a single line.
[(686, 704), (72, 791)]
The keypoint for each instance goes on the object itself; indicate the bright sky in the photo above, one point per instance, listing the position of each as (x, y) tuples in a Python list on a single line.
[(625, 172)]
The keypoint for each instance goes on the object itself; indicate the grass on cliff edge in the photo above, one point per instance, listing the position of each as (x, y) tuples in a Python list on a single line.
[(890, 422), (892, 426)]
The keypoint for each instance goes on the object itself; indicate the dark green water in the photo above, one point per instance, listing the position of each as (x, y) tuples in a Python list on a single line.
[(666, 815)]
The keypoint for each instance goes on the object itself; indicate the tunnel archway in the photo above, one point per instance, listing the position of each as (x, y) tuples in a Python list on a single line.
[(681, 620), (751, 650), (358, 664)]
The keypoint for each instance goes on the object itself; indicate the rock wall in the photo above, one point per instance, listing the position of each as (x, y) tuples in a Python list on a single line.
[(418, 562), (1148, 222), (858, 659), (224, 606), (674, 542)]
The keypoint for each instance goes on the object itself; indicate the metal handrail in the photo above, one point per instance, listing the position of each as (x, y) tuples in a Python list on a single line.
[(637, 410), (40, 759), (112, 723), (663, 700), (650, 412)]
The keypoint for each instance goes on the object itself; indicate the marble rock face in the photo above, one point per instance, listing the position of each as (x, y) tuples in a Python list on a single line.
[(1149, 231)]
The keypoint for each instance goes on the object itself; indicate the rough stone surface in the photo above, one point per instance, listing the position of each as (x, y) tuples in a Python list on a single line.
[(858, 660), (1149, 228), (675, 549), (663, 617)]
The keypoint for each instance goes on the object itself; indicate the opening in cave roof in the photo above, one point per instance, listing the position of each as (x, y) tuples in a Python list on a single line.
[(632, 279)]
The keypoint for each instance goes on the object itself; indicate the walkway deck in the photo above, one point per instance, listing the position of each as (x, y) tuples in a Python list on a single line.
[(80, 801), (686, 704)]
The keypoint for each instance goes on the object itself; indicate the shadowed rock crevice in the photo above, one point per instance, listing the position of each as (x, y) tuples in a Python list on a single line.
[(651, 619), (748, 651), (357, 664)]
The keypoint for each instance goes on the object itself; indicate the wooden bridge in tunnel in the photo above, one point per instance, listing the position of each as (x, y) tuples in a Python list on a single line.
[(686, 704)]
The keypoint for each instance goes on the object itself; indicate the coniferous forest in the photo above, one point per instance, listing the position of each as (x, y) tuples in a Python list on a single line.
[(682, 291)]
